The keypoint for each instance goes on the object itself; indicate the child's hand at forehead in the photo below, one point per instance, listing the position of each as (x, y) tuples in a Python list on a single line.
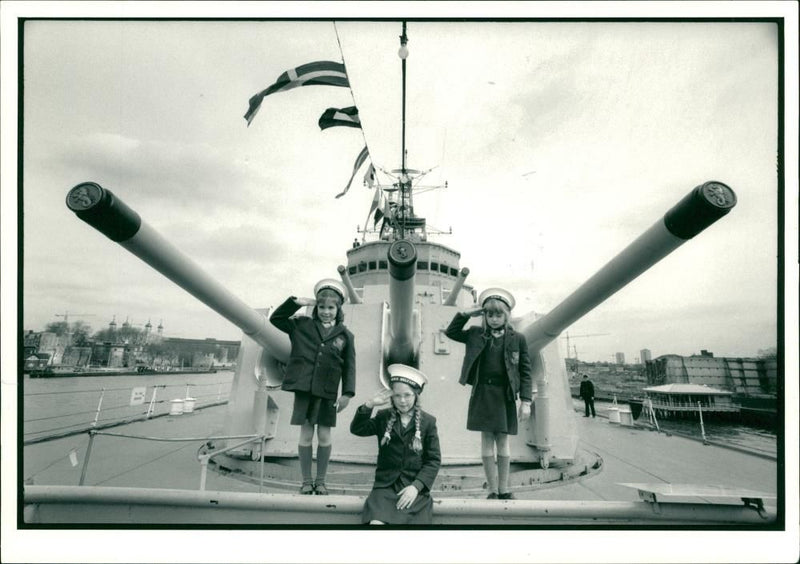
[(381, 398), (305, 301)]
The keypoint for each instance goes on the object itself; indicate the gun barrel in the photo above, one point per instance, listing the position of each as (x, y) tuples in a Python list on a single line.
[(104, 211), (462, 276), (348, 284), (704, 205), (402, 270)]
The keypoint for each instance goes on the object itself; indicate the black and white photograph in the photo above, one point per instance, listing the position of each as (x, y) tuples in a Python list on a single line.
[(402, 282)]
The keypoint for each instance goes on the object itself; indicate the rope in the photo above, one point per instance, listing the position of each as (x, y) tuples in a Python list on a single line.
[(174, 439), (352, 93), (363, 134), (59, 459)]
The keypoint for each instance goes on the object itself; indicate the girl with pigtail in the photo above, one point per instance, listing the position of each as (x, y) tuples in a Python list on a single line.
[(498, 367), (408, 451)]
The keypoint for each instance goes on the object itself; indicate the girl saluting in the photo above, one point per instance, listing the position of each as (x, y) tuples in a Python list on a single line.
[(322, 357), (497, 366), (408, 451)]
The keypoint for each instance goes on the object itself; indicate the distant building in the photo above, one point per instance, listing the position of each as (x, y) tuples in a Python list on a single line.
[(620, 358), (202, 353), (111, 355), (744, 376), (43, 344), (77, 356), (645, 355)]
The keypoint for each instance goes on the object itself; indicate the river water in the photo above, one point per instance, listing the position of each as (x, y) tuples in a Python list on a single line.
[(57, 405)]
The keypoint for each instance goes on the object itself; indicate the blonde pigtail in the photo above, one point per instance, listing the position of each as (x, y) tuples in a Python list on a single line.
[(417, 444), (389, 425)]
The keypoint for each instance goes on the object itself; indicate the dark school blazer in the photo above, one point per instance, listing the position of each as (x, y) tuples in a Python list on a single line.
[(397, 458), (316, 365), (517, 360)]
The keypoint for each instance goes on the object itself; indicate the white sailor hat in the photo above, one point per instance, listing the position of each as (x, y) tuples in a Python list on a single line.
[(331, 284), (497, 294), (407, 375)]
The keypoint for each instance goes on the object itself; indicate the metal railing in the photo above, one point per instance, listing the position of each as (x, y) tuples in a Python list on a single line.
[(203, 458)]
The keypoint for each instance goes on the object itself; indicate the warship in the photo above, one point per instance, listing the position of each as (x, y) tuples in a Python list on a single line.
[(403, 289)]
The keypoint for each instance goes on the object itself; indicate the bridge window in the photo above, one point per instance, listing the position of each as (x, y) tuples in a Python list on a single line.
[(362, 266), (422, 265), (382, 265), (352, 270), (453, 272), (373, 265), (443, 268), (434, 266)]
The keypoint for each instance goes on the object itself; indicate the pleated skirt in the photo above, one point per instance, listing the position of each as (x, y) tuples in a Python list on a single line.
[(381, 505), (492, 410)]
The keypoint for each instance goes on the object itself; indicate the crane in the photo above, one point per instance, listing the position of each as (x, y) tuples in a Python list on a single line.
[(66, 315), (568, 337)]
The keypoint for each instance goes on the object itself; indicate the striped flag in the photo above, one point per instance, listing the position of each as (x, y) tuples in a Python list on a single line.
[(369, 177), (320, 72), (347, 117), (387, 214), (374, 206), (362, 156)]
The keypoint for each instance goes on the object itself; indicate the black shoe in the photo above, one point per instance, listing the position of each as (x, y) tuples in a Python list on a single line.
[(492, 496), (507, 495), (320, 489)]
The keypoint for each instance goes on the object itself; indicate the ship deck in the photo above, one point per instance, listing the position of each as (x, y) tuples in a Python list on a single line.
[(629, 454)]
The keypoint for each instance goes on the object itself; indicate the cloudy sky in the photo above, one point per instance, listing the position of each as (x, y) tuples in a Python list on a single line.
[(560, 142)]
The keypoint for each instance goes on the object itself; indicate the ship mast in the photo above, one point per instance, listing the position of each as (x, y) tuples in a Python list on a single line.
[(405, 183)]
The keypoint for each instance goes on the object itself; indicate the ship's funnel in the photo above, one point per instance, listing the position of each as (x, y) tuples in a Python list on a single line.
[(402, 268), (704, 205), (104, 211)]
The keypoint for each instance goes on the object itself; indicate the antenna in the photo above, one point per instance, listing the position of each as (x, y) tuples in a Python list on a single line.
[(404, 182)]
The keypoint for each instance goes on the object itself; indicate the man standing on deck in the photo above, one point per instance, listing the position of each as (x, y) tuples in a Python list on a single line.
[(587, 393)]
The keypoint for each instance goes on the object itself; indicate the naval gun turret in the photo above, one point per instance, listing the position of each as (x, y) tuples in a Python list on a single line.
[(403, 291), (701, 207)]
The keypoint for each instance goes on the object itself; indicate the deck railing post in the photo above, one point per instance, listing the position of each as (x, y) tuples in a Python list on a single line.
[(652, 413), (152, 403), (203, 472), (86, 458), (99, 404), (263, 447), (702, 427)]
